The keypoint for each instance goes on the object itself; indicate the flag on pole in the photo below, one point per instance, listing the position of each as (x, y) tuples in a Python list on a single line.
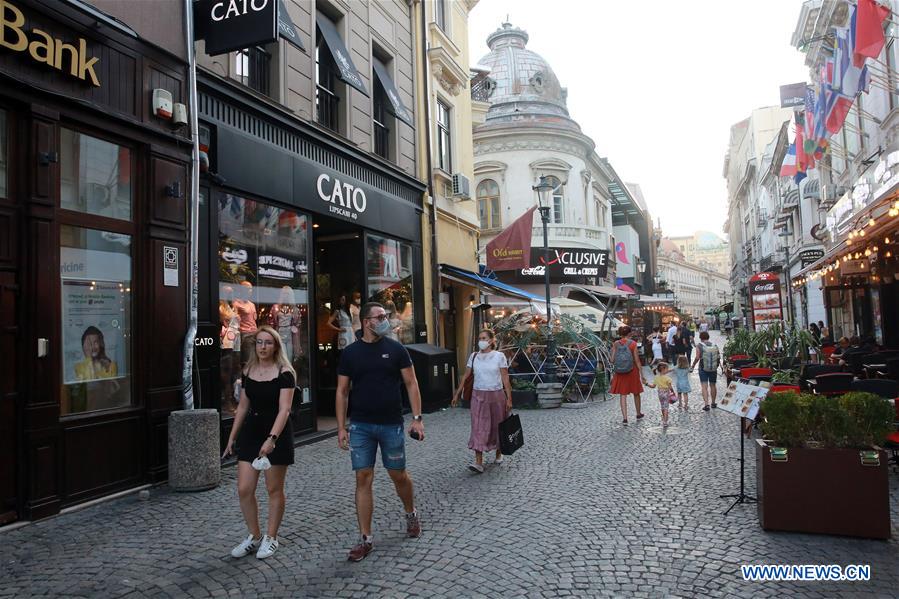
[(869, 30), (804, 161), (788, 167), (511, 249)]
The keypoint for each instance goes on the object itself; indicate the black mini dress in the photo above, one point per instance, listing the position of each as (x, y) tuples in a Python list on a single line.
[(264, 399)]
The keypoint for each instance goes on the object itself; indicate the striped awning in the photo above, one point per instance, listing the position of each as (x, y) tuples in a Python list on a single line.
[(811, 189)]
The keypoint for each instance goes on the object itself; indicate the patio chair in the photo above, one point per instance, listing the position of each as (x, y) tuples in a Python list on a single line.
[(834, 383), (891, 443), (788, 363), (854, 363), (882, 387), (810, 371), (892, 371)]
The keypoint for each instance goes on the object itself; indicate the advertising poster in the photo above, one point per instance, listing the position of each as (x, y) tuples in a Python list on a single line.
[(742, 399), (765, 299), (93, 321)]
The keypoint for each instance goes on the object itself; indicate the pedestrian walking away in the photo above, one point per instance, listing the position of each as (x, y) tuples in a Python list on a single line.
[(664, 387), (371, 373), (261, 419), (656, 340), (709, 359), (491, 398), (689, 332), (627, 371), (669, 341), (682, 382)]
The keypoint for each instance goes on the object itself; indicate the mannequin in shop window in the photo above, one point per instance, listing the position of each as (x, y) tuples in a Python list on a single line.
[(230, 340), (246, 312), (342, 322), (393, 319), (285, 318)]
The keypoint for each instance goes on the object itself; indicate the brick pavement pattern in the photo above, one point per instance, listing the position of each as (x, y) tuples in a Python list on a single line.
[(587, 508)]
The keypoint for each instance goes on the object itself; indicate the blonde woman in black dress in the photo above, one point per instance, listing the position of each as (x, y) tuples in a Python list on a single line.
[(262, 429)]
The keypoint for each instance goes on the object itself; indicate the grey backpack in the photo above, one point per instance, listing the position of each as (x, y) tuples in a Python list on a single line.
[(622, 361)]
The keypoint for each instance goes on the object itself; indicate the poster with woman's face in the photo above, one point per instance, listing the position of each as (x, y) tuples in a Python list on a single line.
[(93, 321)]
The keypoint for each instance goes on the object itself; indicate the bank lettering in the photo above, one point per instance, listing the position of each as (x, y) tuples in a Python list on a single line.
[(44, 48), (346, 200)]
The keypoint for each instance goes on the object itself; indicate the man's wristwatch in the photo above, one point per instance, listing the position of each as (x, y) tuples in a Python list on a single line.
[(417, 418)]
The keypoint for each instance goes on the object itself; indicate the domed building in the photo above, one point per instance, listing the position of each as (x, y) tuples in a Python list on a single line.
[(524, 132)]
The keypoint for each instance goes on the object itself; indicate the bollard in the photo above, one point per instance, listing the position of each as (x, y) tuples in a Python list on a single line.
[(194, 458)]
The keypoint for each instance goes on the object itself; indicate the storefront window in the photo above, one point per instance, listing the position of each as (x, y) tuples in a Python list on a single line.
[(95, 273), (95, 176), (389, 274), (263, 280), (3, 154)]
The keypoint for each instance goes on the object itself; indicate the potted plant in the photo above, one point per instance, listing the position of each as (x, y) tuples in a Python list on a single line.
[(738, 343), (524, 393), (819, 469)]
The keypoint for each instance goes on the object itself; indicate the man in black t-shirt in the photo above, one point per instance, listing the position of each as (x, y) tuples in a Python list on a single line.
[(376, 367)]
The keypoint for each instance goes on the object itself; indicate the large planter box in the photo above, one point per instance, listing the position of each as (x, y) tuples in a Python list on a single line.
[(828, 491), (524, 399)]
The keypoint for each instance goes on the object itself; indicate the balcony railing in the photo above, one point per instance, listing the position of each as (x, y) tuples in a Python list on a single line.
[(584, 233), (382, 140), (326, 103), (254, 69), (480, 91)]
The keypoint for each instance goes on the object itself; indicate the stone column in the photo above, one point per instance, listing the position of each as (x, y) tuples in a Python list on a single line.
[(194, 458)]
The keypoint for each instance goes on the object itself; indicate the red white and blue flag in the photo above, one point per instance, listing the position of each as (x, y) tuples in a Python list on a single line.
[(788, 167)]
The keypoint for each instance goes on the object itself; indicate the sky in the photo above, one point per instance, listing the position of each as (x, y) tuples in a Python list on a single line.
[(657, 84)]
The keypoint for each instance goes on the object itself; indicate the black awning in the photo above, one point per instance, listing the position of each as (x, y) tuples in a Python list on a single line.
[(287, 29), (345, 67), (812, 189), (395, 105)]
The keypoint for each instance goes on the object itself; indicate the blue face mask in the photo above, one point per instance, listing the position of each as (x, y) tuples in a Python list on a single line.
[(382, 327)]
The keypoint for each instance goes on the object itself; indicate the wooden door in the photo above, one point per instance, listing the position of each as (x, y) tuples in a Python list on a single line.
[(9, 399)]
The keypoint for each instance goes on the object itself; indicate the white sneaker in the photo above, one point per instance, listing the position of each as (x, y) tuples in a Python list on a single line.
[(477, 468), (267, 547), (499, 460), (246, 548)]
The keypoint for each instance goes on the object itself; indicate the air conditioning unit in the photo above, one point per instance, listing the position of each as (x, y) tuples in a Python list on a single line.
[(461, 187)]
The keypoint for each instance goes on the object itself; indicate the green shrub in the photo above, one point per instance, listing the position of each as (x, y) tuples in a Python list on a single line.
[(854, 420)]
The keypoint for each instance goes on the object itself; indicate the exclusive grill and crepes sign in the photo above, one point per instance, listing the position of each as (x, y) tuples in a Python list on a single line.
[(565, 265)]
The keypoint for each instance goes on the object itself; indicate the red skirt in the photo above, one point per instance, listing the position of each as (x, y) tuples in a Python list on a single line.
[(626, 383)]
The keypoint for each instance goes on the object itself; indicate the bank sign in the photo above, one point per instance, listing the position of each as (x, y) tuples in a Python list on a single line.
[(565, 264)]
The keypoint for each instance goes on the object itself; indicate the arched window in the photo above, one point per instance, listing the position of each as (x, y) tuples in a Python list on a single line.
[(558, 199), (488, 204)]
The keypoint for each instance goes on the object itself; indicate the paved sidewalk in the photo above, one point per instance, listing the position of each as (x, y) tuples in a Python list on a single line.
[(587, 508)]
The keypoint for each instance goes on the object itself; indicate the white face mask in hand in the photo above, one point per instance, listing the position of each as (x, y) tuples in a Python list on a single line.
[(261, 463), (483, 344)]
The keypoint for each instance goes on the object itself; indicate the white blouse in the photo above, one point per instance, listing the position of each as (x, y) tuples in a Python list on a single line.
[(486, 366)]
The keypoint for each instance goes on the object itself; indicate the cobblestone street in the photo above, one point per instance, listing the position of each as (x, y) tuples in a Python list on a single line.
[(587, 508)]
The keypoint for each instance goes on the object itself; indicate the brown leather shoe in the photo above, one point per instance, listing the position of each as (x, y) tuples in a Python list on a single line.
[(360, 552), (413, 525)]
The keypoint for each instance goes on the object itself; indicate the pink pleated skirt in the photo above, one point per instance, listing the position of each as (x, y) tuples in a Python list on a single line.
[(488, 409)]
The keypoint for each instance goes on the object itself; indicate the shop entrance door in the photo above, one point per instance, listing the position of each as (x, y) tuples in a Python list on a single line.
[(338, 280), (8, 399), (10, 444)]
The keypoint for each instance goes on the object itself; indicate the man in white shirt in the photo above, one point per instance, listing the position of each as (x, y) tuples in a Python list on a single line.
[(672, 331)]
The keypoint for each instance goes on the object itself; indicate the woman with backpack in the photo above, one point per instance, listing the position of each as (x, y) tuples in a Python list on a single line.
[(627, 377), (709, 359)]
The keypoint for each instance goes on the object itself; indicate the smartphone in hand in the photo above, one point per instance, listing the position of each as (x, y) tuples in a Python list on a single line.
[(414, 434)]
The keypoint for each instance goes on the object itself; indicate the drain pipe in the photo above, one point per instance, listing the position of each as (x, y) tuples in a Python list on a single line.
[(432, 217), (188, 349)]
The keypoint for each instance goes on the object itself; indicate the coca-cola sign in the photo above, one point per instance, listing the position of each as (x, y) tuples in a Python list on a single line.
[(764, 292)]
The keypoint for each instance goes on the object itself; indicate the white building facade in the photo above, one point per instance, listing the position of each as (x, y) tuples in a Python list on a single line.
[(696, 288), (527, 133)]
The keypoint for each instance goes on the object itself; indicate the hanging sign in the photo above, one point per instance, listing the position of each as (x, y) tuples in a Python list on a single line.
[(565, 265), (229, 25), (808, 257), (764, 295)]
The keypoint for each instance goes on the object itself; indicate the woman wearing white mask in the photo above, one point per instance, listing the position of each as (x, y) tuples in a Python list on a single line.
[(491, 398)]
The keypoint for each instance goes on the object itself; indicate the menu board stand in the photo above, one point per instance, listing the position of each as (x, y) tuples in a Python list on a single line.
[(742, 399)]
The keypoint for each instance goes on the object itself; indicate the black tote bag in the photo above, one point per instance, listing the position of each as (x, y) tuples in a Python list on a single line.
[(511, 437)]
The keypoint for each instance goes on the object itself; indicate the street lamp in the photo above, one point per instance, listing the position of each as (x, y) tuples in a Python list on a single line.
[(544, 191)]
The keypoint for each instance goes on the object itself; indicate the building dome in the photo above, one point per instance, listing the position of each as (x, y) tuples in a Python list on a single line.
[(669, 249), (521, 84)]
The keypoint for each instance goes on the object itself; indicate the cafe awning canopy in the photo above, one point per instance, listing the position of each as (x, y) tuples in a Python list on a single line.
[(287, 29), (486, 284)]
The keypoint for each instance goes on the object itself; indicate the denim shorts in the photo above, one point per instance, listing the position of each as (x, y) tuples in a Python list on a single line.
[(366, 437), (708, 377)]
